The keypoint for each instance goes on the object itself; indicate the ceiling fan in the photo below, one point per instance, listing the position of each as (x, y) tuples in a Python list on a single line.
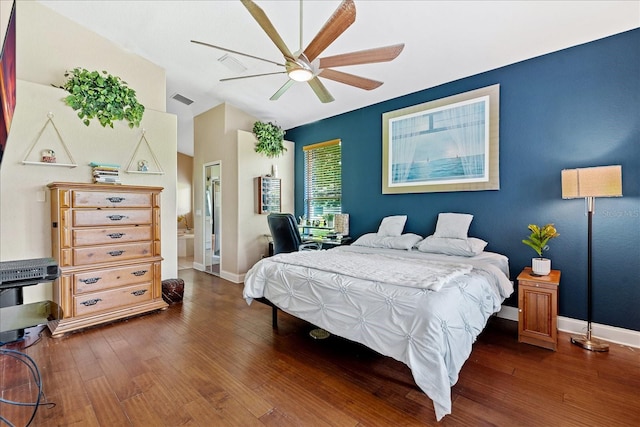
[(305, 65)]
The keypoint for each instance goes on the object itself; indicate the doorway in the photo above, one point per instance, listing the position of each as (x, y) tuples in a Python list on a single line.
[(213, 217)]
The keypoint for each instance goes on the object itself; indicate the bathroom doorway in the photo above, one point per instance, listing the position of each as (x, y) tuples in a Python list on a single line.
[(213, 217)]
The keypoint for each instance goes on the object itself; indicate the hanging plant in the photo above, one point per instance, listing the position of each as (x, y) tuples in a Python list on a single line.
[(270, 139), (101, 96)]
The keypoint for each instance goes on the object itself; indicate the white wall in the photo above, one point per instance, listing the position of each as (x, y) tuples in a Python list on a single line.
[(223, 134), (252, 243), (47, 44)]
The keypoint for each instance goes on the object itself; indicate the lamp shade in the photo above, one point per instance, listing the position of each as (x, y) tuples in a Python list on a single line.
[(601, 181)]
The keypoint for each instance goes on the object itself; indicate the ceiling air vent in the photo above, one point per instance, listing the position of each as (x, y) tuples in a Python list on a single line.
[(183, 99), (232, 63)]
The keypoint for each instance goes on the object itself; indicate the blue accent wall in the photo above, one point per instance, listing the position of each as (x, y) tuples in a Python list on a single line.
[(578, 107)]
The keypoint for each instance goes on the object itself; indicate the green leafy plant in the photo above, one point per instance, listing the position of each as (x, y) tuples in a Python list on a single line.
[(270, 139), (539, 237), (101, 96)]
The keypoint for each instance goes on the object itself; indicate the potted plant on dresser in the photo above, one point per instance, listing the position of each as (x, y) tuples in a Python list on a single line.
[(538, 240)]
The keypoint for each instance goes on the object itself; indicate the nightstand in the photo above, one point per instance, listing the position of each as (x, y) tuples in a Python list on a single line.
[(538, 308)]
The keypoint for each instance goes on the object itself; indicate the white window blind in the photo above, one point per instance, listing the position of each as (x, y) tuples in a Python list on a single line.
[(322, 179)]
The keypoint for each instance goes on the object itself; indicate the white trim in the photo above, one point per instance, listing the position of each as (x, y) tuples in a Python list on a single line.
[(232, 277), (607, 333)]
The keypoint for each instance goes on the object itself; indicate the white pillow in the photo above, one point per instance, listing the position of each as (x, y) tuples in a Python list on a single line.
[(372, 240), (447, 246), (453, 225), (392, 225)]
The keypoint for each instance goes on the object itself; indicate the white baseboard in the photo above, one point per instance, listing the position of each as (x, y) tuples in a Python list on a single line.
[(607, 333), (232, 277)]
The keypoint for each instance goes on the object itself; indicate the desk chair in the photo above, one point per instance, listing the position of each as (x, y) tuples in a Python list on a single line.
[(285, 234), (286, 238)]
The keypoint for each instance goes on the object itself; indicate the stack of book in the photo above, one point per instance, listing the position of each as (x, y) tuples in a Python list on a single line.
[(105, 173)]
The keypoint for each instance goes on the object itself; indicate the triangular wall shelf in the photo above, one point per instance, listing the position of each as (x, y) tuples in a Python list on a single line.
[(138, 166), (72, 163)]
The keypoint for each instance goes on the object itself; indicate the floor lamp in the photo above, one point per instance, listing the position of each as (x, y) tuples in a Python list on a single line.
[(589, 183)]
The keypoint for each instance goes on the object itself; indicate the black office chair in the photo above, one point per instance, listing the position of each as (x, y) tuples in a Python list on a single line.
[(286, 238), (285, 234)]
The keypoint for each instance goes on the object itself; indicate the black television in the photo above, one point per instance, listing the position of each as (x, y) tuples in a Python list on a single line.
[(7, 80)]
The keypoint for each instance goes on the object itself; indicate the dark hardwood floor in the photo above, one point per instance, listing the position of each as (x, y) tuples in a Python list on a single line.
[(214, 361)]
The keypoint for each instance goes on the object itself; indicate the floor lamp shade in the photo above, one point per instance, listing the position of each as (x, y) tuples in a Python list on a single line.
[(589, 183), (601, 181)]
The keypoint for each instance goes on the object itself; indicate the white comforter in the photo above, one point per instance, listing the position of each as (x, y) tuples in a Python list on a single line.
[(430, 328)]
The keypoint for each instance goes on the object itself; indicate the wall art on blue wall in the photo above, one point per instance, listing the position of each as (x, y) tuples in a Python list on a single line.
[(450, 144)]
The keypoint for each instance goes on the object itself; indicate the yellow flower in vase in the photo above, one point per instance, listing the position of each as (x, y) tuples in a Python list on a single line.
[(183, 218)]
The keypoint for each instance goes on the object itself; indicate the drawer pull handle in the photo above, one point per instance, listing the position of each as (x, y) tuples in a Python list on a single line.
[(115, 199), (116, 217), (91, 280), (115, 235), (139, 293), (115, 253), (139, 273), (91, 302)]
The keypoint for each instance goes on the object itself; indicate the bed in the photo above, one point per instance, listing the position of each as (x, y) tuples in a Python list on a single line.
[(423, 308)]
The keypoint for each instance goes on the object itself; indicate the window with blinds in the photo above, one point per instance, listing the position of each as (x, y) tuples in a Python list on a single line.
[(322, 179)]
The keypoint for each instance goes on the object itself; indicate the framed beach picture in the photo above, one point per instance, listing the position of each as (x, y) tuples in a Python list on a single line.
[(450, 144)]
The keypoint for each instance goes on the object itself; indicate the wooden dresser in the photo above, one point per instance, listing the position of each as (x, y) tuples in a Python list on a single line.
[(106, 240)]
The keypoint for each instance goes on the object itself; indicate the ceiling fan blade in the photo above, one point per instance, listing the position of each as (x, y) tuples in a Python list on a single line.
[(253, 75), (264, 22), (282, 90), (342, 18), (369, 56), (236, 52), (350, 79), (321, 91)]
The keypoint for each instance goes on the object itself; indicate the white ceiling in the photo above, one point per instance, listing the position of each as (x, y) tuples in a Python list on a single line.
[(444, 41)]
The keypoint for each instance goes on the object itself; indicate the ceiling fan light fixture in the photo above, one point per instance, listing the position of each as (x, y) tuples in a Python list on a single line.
[(300, 74)]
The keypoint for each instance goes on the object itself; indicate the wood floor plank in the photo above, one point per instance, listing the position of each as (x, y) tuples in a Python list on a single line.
[(105, 403), (141, 412)]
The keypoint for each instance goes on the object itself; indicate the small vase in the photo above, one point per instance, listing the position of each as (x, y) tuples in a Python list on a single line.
[(540, 266)]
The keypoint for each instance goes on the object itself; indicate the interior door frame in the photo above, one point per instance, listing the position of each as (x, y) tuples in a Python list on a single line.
[(204, 216)]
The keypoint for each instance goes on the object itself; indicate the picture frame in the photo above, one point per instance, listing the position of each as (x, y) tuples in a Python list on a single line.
[(449, 144)]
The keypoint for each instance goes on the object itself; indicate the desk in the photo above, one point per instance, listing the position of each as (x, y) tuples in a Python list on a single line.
[(329, 242), (322, 237)]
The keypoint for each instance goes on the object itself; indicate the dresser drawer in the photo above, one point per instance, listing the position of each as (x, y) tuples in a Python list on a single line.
[(89, 218), (115, 199), (101, 236), (109, 278), (112, 299), (111, 253)]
